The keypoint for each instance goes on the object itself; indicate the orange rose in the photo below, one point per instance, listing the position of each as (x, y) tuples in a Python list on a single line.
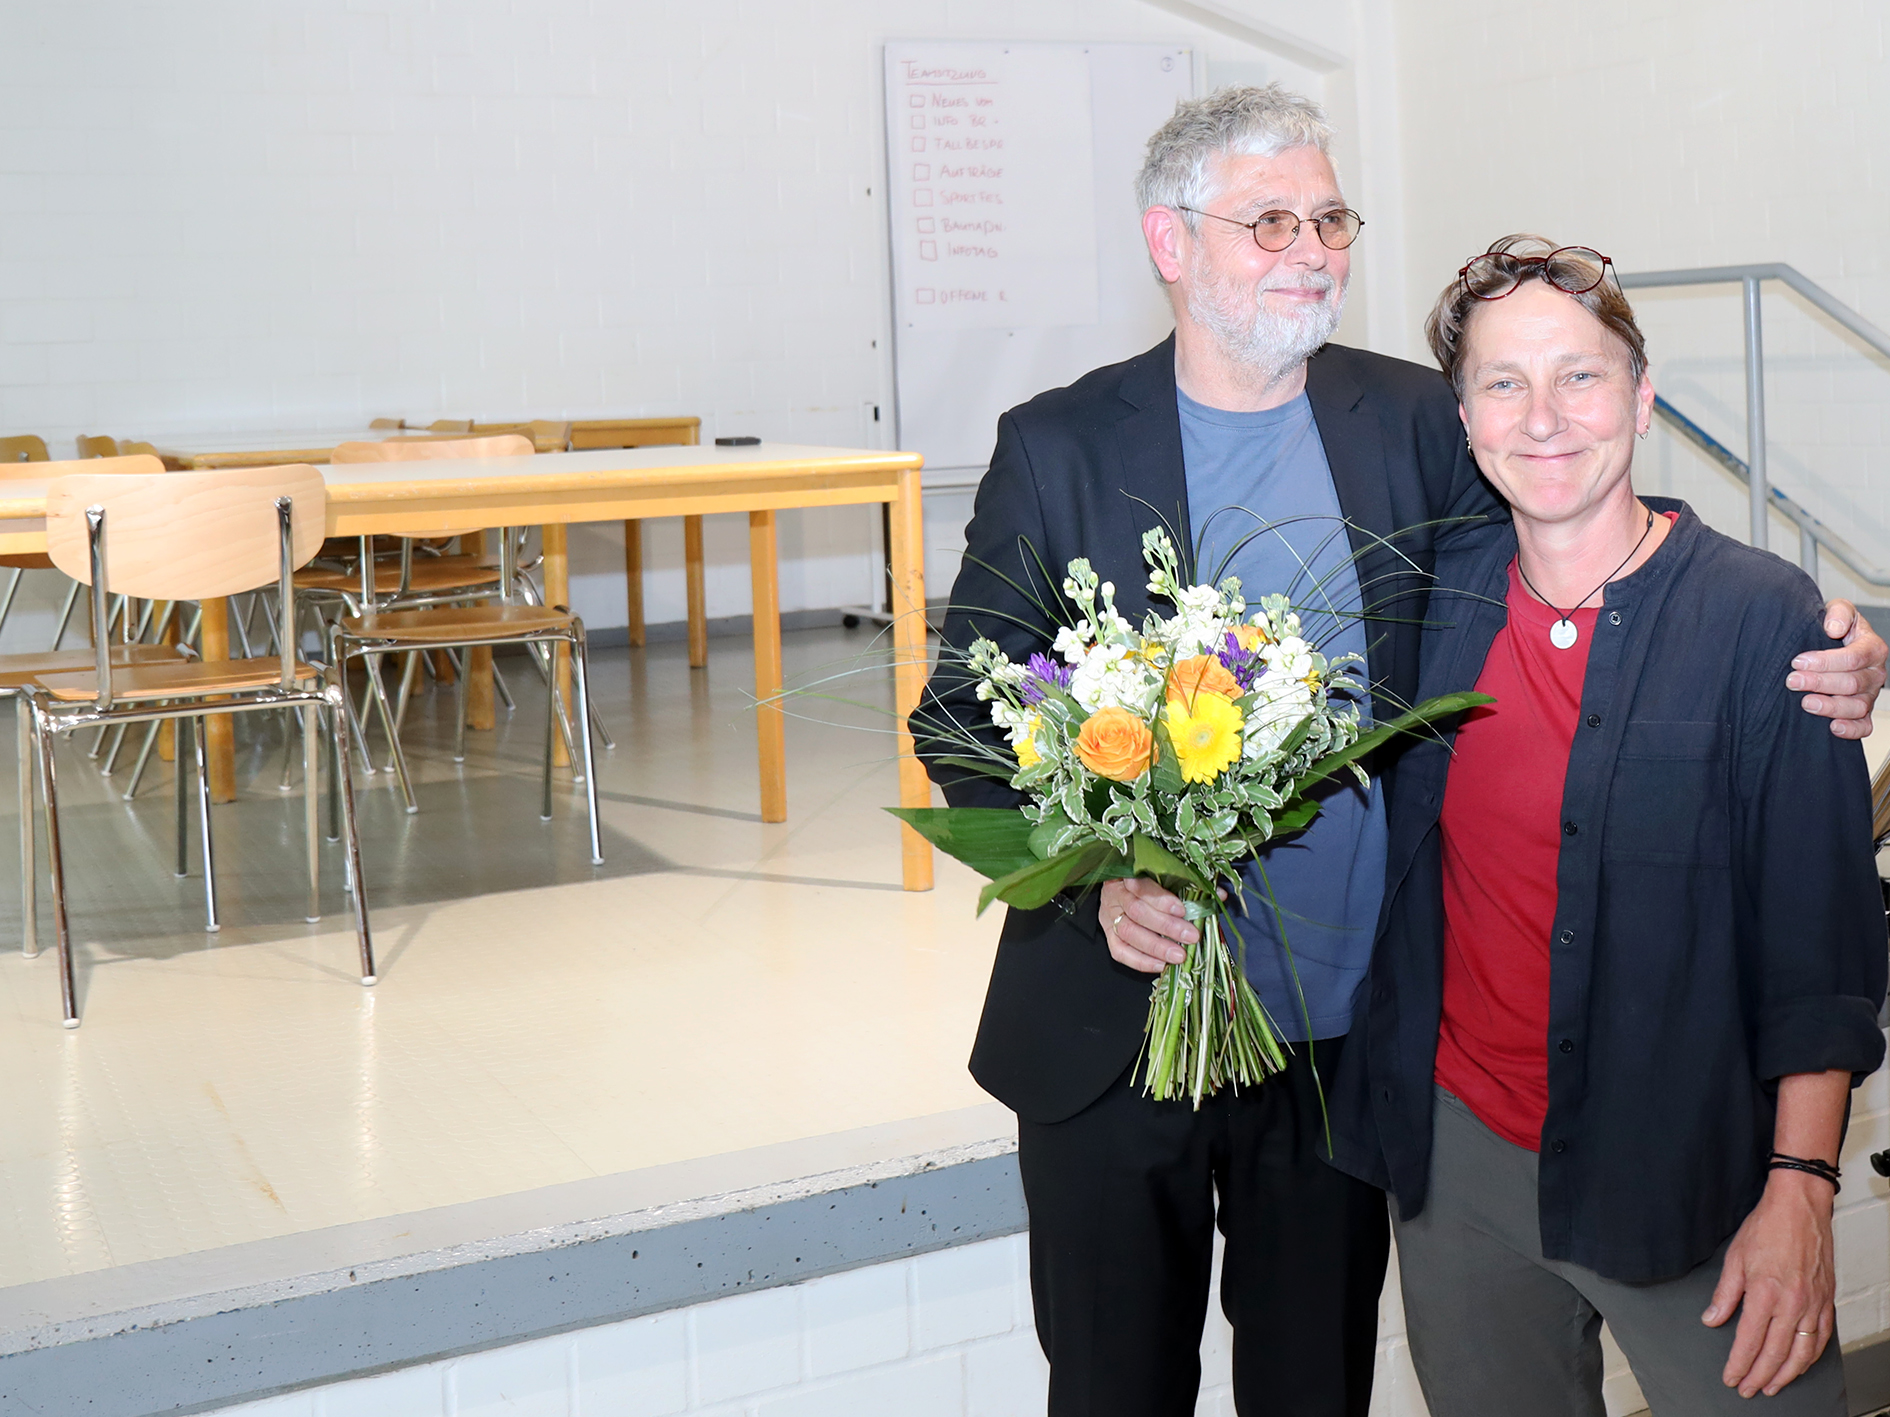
[(1115, 744), (1204, 674), (1250, 637)]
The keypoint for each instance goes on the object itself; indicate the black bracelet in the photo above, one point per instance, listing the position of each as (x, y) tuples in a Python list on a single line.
[(1823, 1170)]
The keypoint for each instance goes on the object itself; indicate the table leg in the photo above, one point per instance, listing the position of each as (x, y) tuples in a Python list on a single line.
[(479, 707), (909, 658), (220, 736), (770, 721), (633, 579), (698, 597), (558, 592)]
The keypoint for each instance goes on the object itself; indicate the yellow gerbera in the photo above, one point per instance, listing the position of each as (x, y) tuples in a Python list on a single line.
[(1206, 735), (1026, 749)]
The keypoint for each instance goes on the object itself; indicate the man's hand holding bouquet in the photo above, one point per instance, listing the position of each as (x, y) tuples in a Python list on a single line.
[(1174, 750)]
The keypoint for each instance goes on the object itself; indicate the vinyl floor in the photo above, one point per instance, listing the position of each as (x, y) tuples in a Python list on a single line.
[(718, 984)]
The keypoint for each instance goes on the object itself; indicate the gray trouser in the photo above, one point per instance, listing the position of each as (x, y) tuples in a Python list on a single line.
[(1496, 1330)]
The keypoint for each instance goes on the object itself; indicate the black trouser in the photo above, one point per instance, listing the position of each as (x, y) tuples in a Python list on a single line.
[(1122, 1205)]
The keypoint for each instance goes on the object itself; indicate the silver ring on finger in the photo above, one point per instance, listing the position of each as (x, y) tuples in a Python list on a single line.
[(1118, 920), (1807, 1333)]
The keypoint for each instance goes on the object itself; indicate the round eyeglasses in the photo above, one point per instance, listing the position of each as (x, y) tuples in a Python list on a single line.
[(1574, 269), (1275, 231)]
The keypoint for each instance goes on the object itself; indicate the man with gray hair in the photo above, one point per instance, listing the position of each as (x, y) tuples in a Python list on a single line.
[(1303, 467)]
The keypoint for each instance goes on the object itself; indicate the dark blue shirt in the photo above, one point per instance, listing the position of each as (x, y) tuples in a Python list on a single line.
[(1266, 472), (1717, 925)]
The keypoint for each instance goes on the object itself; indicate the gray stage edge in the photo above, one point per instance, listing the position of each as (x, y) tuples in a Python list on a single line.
[(63, 1351)]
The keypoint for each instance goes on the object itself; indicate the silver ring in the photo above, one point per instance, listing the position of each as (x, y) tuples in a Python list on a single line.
[(1118, 920), (1806, 1333)]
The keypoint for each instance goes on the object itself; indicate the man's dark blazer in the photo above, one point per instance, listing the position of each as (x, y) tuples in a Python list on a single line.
[(1084, 471)]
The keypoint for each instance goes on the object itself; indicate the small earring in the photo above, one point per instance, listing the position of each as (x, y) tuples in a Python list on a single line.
[(1643, 433)]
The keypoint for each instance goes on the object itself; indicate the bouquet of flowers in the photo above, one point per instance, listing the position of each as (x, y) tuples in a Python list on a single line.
[(1174, 750)]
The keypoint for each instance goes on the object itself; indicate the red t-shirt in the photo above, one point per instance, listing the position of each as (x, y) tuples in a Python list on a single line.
[(1502, 840)]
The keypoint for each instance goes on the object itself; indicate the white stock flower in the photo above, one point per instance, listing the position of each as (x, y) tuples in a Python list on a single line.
[(1112, 677), (1009, 718), (1071, 645), (1278, 706)]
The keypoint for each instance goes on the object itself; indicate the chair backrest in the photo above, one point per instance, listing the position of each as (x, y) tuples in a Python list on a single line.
[(25, 447), (548, 435), (635, 433), (186, 535), (99, 447), (506, 445), (388, 423), (450, 425)]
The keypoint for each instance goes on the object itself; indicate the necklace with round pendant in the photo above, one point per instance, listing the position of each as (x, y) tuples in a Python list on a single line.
[(1563, 634)]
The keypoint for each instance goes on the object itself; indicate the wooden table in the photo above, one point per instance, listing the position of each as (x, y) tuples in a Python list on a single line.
[(265, 449), (556, 489)]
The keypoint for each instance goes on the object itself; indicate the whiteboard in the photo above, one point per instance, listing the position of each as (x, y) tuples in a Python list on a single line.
[(1017, 255)]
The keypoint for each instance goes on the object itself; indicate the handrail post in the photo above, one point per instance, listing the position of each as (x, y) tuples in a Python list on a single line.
[(1808, 552), (1757, 486)]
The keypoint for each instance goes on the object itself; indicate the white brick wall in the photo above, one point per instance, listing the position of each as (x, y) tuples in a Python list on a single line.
[(946, 1335), (949, 1333)]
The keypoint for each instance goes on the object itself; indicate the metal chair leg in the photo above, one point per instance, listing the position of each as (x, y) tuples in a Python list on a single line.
[(65, 616), (358, 726), (288, 752), (337, 767), (118, 742), (408, 674), (56, 870), (311, 809), (239, 621), (543, 661), (505, 689), (393, 734), (580, 671), (459, 716), (339, 722), (211, 923), (29, 869), (6, 601), (180, 754), (144, 756), (551, 737)]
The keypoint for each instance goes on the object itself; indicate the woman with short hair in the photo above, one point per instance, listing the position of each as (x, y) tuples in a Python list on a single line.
[(1634, 950)]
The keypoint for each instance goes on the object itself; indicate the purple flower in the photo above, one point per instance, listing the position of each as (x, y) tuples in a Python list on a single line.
[(1045, 673), (1244, 664)]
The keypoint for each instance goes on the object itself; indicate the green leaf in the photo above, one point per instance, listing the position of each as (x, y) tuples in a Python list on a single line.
[(1166, 776), (1043, 837), (1427, 712), (1151, 858), (1295, 816), (977, 765), (1184, 817), (1034, 885), (1297, 736), (993, 841)]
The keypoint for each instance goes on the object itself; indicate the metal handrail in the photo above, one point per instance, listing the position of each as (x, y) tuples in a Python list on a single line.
[(1812, 533), (1760, 500)]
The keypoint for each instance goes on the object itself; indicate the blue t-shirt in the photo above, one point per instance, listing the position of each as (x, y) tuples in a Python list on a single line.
[(1248, 471)]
